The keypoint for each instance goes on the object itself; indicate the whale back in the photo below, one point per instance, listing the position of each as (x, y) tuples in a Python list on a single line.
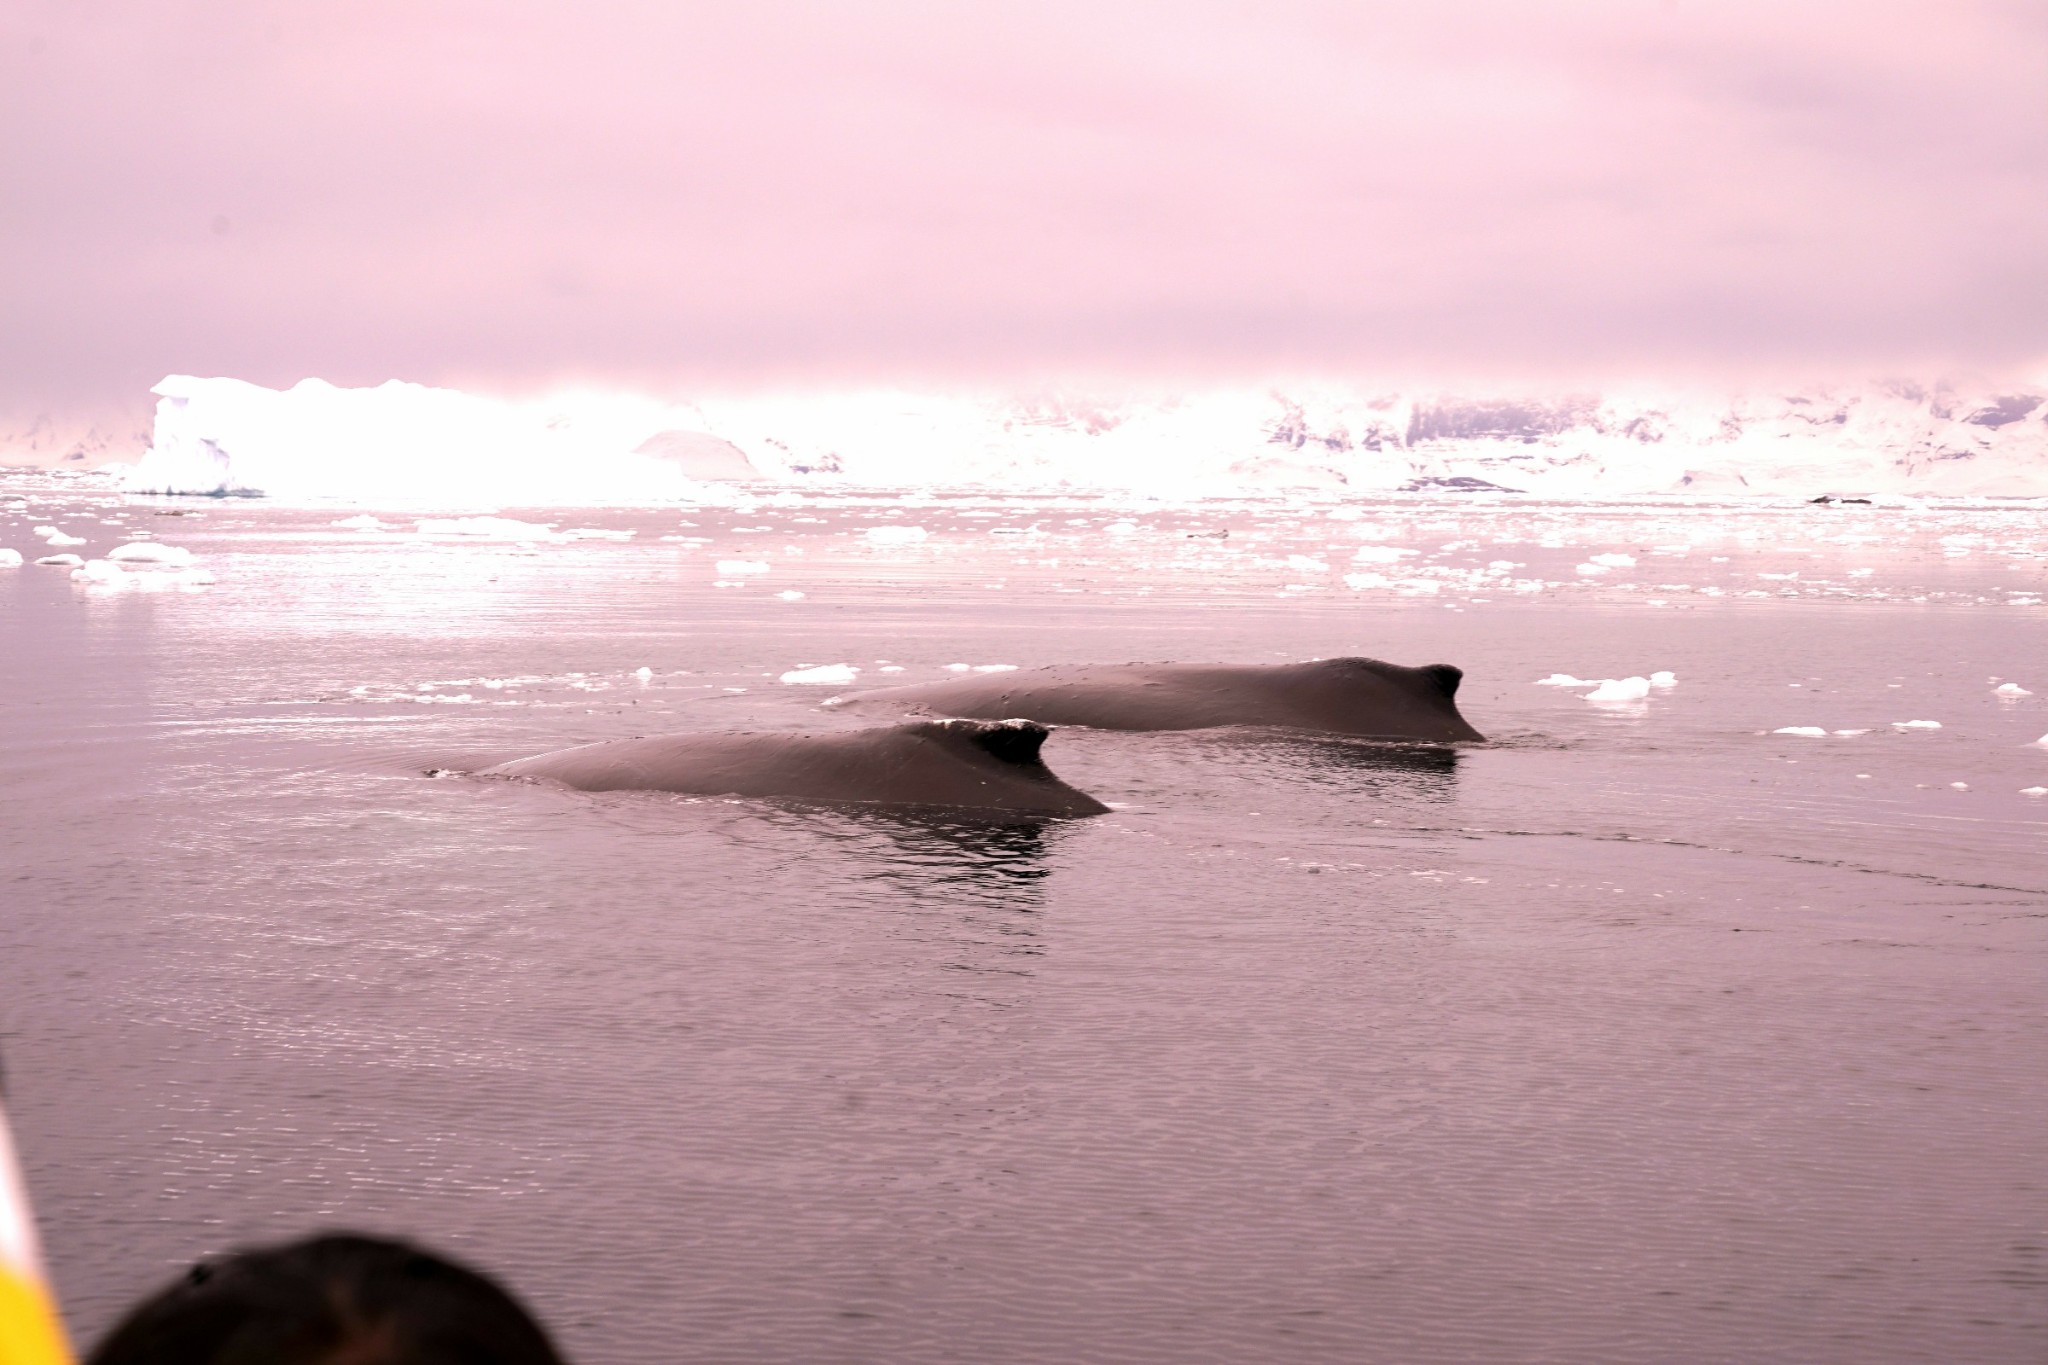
[(1368, 698), (971, 764)]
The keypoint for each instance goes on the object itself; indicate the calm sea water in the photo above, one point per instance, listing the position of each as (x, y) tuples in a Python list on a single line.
[(1638, 1034)]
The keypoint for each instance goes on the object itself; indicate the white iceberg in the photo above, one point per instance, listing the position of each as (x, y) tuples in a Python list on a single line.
[(1620, 689), (821, 674), (2012, 690), (10, 559), (151, 552), (411, 443), (484, 528)]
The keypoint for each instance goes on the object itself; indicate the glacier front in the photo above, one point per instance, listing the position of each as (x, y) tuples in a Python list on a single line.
[(406, 442)]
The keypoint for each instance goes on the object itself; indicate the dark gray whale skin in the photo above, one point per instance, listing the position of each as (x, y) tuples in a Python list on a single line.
[(969, 765), (1351, 696)]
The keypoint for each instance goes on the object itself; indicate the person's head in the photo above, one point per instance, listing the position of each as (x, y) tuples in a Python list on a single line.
[(334, 1299)]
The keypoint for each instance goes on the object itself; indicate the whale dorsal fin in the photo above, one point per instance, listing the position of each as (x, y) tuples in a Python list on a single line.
[(1444, 676), (1014, 742)]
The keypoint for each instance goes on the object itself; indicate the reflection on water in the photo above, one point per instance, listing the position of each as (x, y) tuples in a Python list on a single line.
[(944, 851), (1408, 773)]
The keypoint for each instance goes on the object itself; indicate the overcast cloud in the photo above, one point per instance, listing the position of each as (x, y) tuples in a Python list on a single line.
[(676, 194)]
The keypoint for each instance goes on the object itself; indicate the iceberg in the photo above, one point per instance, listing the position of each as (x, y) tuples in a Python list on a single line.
[(1860, 447), (408, 442), (825, 674)]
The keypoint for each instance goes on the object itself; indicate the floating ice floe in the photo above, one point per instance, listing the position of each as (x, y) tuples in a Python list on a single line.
[(63, 561), (2042, 742), (739, 567), (484, 528), (2012, 690), (822, 674), (790, 595), (1916, 725), (1620, 689), (106, 573), (1960, 786), (1614, 689), (644, 674), (1809, 731), (151, 552), (2034, 791), (57, 537), (10, 559), (1613, 561), (895, 535)]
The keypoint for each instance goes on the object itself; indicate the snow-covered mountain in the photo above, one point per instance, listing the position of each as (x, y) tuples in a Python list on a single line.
[(410, 442)]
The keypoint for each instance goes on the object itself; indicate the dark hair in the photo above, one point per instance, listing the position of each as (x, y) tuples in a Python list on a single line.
[(332, 1299)]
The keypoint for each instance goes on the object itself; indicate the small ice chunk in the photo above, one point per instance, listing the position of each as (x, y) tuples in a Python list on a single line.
[(995, 668), (1849, 734), (489, 528), (1566, 680), (1620, 689), (98, 571), (643, 673), (57, 537), (895, 535), (1960, 786), (1916, 725), (2042, 742), (1307, 564), (736, 567), (151, 552), (2034, 791), (1614, 561), (1664, 678), (1590, 569), (790, 595), (958, 668), (1809, 731), (10, 559), (1121, 528), (2013, 690), (61, 561), (822, 674), (365, 522), (892, 668), (1379, 554)]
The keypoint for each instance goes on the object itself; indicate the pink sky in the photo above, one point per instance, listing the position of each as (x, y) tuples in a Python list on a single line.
[(680, 194)]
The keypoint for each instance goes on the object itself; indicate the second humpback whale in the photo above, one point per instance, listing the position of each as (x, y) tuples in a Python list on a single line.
[(969, 765), (1349, 696)]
